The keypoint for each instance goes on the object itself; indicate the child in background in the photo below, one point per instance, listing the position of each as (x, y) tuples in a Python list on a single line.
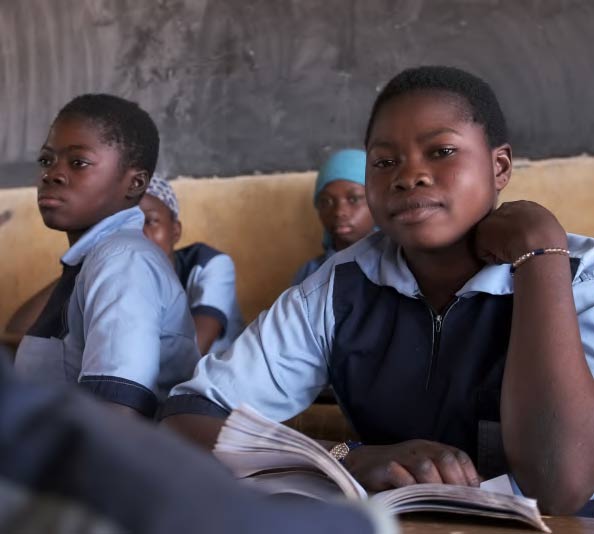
[(445, 360), (207, 275), (339, 197), (117, 320)]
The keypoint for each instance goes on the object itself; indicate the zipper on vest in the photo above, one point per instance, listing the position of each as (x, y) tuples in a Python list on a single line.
[(437, 320)]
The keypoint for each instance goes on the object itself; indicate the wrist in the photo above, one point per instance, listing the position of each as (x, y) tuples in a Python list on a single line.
[(530, 255), (341, 450)]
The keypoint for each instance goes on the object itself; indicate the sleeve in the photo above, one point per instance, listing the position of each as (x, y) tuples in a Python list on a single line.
[(278, 365), (211, 289), (122, 319), (583, 294)]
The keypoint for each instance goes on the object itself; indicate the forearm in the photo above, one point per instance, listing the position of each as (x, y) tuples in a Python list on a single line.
[(201, 430), (547, 407), (208, 329), (26, 315)]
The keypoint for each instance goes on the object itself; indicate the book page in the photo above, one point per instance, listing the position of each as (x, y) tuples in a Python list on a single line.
[(500, 484), (249, 443), (312, 484), (461, 499)]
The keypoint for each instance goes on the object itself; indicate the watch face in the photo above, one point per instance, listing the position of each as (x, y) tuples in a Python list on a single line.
[(340, 451)]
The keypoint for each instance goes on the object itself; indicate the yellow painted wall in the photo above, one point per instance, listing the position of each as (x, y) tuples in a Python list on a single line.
[(266, 223)]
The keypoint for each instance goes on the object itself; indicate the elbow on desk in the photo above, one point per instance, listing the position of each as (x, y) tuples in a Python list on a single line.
[(561, 500), (558, 492)]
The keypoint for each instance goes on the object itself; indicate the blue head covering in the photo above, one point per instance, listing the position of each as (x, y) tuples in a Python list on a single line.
[(347, 164)]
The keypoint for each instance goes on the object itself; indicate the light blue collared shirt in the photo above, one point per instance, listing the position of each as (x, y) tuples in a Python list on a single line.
[(280, 363), (209, 279), (128, 334), (312, 266)]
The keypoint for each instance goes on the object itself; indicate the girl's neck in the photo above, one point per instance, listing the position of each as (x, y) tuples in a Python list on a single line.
[(440, 274)]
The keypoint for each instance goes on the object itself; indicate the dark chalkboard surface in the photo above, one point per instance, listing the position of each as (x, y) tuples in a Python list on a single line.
[(246, 86)]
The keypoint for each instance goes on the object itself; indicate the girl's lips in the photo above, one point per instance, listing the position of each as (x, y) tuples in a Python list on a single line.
[(343, 229), (416, 215), (414, 211), (48, 202)]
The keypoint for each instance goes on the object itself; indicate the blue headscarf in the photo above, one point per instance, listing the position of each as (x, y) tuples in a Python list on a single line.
[(347, 164)]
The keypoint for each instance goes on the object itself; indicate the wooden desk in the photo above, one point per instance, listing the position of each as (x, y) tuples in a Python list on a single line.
[(449, 524)]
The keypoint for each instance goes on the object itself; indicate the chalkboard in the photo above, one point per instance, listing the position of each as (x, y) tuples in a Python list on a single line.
[(256, 86)]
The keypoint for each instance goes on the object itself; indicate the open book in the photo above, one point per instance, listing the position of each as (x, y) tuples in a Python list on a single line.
[(277, 459)]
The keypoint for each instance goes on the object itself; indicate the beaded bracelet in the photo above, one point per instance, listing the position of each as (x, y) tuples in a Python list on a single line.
[(538, 252)]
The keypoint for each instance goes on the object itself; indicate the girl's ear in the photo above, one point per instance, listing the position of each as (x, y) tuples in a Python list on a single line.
[(502, 164), (138, 183)]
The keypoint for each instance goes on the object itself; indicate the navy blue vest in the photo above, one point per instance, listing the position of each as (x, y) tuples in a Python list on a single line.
[(402, 372), (188, 257), (53, 319)]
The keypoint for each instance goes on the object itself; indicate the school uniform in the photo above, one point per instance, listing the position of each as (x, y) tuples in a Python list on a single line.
[(208, 277), (117, 322), (312, 266), (400, 371)]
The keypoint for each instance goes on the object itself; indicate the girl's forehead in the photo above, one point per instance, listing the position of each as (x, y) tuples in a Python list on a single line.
[(341, 186), (77, 131), (421, 110)]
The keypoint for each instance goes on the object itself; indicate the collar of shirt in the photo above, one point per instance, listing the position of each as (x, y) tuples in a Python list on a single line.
[(131, 218), (392, 270)]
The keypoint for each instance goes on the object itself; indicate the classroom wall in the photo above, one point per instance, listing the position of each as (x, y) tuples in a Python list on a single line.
[(260, 86), (268, 225)]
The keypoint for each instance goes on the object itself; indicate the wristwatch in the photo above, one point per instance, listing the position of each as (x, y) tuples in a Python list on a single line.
[(341, 450)]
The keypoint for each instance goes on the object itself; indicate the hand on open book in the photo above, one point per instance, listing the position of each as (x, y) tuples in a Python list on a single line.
[(380, 467)]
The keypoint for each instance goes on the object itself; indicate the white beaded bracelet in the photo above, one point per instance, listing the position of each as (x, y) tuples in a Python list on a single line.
[(538, 252)]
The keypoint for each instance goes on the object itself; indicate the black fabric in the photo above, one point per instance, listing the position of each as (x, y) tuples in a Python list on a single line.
[(53, 320), (122, 391), (194, 404), (188, 257), (574, 263), (399, 379), (491, 459)]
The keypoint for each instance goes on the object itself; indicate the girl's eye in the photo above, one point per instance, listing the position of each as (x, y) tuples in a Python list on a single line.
[(81, 164), (44, 161), (443, 152), (356, 199), (324, 203), (384, 163)]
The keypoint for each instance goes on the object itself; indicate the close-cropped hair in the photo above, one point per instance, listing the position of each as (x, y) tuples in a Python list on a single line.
[(120, 122), (482, 104)]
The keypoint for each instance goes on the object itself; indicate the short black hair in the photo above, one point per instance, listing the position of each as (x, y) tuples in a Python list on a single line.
[(120, 122), (482, 103)]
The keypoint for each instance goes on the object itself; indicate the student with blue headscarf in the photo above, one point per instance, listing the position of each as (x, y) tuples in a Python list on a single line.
[(340, 200)]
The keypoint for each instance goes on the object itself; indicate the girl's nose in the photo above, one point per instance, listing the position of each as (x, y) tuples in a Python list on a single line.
[(410, 176), (53, 176), (341, 209)]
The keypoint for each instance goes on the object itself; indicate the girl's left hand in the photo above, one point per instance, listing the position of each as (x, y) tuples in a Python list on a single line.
[(516, 228)]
